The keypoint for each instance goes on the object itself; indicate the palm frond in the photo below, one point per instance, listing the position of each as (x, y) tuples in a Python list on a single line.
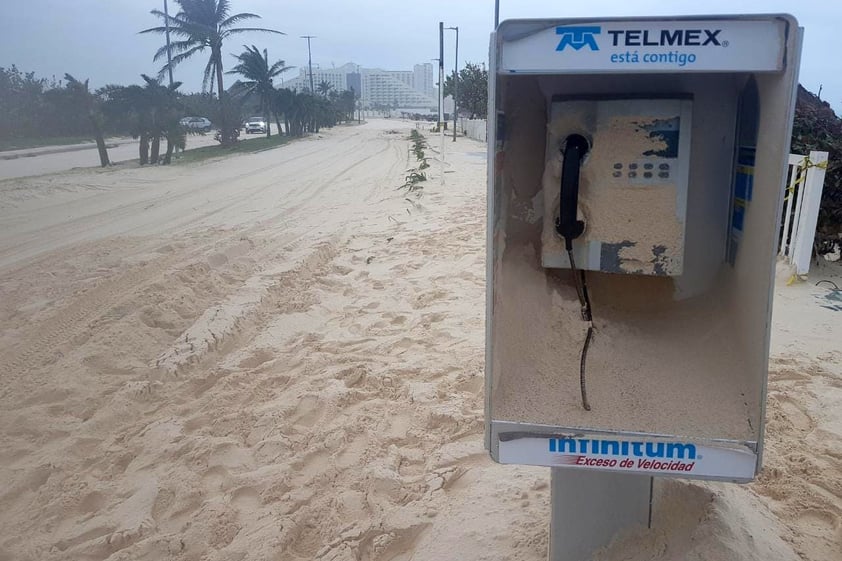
[(223, 7), (237, 18), (228, 32), (178, 47), (278, 68), (184, 56)]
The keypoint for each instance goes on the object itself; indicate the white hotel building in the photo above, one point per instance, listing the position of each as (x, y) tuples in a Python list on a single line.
[(404, 89)]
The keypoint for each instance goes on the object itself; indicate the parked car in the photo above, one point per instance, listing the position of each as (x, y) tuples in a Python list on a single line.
[(256, 125), (202, 124)]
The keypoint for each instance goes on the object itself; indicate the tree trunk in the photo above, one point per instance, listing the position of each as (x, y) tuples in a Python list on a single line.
[(144, 149), (286, 124), (223, 116), (156, 149), (264, 102), (170, 147), (100, 141), (278, 123), (103, 151)]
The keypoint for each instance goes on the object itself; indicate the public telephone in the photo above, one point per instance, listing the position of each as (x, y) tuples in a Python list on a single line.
[(615, 180), (633, 208), (635, 182)]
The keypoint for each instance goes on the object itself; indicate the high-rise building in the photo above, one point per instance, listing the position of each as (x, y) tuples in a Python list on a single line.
[(375, 87), (423, 79)]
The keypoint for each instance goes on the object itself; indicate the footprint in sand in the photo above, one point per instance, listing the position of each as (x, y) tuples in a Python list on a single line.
[(257, 358), (91, 503), (230, 455), (246, 499), (216, 480), (795, 413), (818, 523), (307, 412)]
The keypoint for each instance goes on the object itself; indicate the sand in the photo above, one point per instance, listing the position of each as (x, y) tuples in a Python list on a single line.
[(280, 356)]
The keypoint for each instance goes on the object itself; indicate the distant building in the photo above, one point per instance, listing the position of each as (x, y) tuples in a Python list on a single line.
[(405, 89), (423, 79)]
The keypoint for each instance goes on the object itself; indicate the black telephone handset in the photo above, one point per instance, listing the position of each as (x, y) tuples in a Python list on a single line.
[(575, 148)]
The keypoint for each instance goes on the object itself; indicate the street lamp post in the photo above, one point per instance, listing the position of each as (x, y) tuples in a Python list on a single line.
[(167, 31), (455, 83), (438, 97), (441, 97), (310, 61)]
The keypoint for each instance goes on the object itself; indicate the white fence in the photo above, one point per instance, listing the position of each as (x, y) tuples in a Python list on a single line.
[(801, 210), (474, 128)]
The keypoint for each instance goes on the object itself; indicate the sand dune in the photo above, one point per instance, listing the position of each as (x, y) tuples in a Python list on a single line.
[(280, 356)]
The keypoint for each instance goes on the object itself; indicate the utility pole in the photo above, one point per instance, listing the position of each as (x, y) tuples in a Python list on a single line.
[(310, 61), (438, 99), (455, 83), (167, 31), (441, 95), (496, 13)]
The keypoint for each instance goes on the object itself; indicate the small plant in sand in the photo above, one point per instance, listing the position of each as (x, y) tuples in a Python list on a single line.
[(415, 176)]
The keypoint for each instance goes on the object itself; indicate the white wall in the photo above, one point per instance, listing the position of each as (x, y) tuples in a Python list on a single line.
[(475, 128)]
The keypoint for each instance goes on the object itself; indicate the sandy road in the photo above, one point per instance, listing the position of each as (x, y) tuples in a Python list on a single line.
[(277, 355), (51, 211), (52, 159)]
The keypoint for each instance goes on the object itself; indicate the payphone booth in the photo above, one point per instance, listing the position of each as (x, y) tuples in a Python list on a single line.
[(636, 172)]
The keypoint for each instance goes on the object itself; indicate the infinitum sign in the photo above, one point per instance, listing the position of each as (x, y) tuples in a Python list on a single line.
[(665, 458)]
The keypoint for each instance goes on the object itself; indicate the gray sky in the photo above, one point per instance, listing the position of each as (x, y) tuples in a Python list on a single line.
[(98, 39)]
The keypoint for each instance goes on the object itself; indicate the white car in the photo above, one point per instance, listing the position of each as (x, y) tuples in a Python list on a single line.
[(256, 125), (196, 123)]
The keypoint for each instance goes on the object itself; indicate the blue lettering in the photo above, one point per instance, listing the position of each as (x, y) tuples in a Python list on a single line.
[(671, 450), (678, 450), (655, 449), (672, 57), (610, 447), (566, 444)]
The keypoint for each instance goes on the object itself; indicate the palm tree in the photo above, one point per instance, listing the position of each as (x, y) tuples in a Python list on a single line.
[(164, 110), (200, 25), (324, 87), (254, 67), (152, 112), (87, 102), (282, 102), (130, 105)]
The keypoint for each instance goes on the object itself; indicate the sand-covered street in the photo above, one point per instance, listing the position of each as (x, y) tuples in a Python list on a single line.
[(279, 356)]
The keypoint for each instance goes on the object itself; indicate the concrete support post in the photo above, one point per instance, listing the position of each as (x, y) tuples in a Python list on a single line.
[(590, 507)]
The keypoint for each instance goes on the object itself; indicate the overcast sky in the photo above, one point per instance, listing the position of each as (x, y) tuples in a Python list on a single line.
[(98, 39)]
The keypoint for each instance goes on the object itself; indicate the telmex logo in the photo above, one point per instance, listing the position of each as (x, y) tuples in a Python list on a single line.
[(578, 37)]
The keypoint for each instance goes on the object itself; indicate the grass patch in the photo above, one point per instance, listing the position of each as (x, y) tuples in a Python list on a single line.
[(21, 143), (247, 146)]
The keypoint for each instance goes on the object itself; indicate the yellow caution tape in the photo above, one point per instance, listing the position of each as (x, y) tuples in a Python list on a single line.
[(801, 170)]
